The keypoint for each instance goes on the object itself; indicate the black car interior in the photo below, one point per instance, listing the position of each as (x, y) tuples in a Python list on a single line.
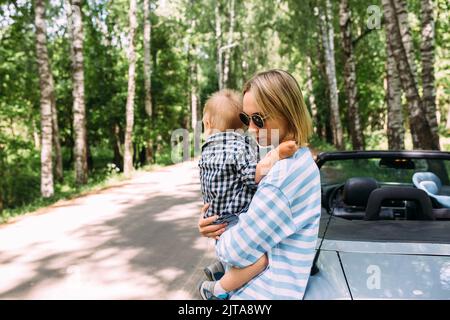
[(364, 198), (361, 208)]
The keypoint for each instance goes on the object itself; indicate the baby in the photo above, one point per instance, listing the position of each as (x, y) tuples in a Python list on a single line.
[(229, 175)]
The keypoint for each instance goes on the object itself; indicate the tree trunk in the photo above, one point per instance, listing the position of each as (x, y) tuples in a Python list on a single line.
[(1, 200), (350, 77), (117, 145), (195, 103), (244, 57), (447, 126), (57, 143), (148, 72), (310, 88), (79, 109), (323, 118), (193, 70), (149, 156), (2, 178), (399, 38), (219, 66), (135, 155), (226, 68), (245, 41), (327, 31), (128, 152), (194, 92), (147, 58), (46, 89), (427, 59), (55, 134), (395, 125)]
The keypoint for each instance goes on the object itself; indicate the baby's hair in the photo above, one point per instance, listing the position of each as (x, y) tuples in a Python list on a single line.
[(222, 110)]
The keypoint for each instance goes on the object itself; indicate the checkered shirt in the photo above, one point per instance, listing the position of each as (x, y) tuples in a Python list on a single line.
[(227, 174)]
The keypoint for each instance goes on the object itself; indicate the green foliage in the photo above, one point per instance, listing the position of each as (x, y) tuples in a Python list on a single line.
[(269, 34), (318, 144), (105, 67)]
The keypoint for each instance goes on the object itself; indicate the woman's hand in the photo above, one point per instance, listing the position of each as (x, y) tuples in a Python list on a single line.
[(206, 228)]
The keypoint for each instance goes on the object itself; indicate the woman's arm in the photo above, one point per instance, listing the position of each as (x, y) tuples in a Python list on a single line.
[(267, 222)]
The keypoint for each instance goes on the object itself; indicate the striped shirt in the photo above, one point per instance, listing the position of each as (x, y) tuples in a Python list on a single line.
[(282, 221), (227, 174)]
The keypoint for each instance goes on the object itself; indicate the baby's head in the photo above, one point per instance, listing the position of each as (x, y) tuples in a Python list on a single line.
[(221, 112)]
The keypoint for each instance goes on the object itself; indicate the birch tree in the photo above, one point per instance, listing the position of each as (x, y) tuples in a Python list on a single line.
[(350, 77), (427, 60), (128, 147), (219, 64), (400, 40), (395, 122), (193, 72), (79, 108), (226, 67), (56, 140), (310, 88), (327, 32), (447, 126), (147, 58), (2, 177), (46, 96)]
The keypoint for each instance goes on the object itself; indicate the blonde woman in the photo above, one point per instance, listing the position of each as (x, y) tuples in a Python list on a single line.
[(282, 221)]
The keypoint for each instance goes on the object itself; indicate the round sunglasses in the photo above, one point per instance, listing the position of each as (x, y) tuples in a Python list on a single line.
[(257, 118)]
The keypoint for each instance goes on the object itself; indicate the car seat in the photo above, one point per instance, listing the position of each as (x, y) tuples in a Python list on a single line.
[(431, 184)]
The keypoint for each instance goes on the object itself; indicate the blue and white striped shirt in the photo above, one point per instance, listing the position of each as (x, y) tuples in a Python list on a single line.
[(282, 221)]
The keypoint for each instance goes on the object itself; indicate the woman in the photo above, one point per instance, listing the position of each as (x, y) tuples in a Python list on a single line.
[(283, 218)]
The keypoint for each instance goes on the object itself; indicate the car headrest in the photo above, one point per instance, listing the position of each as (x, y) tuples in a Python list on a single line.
[(357, 191), (398, 193)]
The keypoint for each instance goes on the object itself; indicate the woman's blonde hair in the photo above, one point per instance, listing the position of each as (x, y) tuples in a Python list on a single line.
[(278, 95)]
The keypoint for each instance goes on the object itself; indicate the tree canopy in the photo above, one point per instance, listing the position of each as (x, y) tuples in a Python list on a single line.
[(187, 39)]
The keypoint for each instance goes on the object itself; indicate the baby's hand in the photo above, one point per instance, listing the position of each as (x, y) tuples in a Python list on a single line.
[(286, 149)]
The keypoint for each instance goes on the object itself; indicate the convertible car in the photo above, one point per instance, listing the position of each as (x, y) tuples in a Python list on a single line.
[(385, 226)]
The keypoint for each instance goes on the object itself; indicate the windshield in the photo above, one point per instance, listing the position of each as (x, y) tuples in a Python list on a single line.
[(385, 171)]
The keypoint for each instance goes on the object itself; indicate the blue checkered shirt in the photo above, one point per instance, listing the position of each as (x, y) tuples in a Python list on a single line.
[(227, 174)]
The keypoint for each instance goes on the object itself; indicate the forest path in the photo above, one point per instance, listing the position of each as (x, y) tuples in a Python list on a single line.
[(138, 240)]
